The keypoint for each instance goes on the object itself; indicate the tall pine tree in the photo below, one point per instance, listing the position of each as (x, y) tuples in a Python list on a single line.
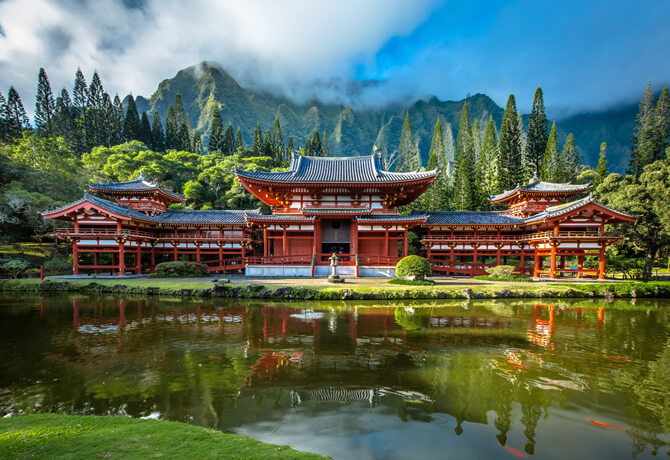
[(239, 143), (537, 133), (511, 172), (257, 145), (95, 116), (196, 143), (64, 119), (15, 113), (488, 160), (406, 147), (131, 122), (601, 169), (278, 141), (551, 170), (570, 165), (79, 101), (290, 149), (144, 134), (325, 150), (157, 136), (465, 180), (45, 106), (5, 130), (172, 130), (228, 142), (645, 134), (216, 133), (317, 149), (437, 195), (662, 124)]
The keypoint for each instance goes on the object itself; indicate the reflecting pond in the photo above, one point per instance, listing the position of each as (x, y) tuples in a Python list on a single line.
[(506, 379)]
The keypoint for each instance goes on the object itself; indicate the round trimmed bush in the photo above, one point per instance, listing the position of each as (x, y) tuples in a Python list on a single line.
[(180, 269), (413, 268)]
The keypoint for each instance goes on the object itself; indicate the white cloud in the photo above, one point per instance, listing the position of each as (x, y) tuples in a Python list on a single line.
[(274, 44)]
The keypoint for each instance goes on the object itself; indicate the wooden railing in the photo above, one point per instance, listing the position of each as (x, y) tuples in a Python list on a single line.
[(303, 259), (64, 233), (377, 260), (433, 239)]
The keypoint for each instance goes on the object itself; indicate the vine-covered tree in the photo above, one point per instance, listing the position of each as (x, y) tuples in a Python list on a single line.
[(537, 133), (45, 106)]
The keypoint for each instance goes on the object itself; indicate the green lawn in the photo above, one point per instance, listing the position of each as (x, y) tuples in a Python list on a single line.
[(64, 436)]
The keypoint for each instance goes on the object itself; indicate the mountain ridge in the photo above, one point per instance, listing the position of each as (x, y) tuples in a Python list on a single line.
[(353, 131)]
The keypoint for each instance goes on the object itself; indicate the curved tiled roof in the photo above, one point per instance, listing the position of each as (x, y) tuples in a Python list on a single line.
[(538, 186), (392, 218), (333, 170), (137, 185), (472, 218), (172, 216), (280, 218), (326, 210), (565, 208)]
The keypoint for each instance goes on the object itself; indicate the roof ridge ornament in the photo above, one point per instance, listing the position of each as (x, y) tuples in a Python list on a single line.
[(536, 177)]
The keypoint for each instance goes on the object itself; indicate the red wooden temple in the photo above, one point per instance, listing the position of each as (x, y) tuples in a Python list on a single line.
[(349, 206)]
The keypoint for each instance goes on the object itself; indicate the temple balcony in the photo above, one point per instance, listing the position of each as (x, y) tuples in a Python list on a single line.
[(131, 234), (538, 236)]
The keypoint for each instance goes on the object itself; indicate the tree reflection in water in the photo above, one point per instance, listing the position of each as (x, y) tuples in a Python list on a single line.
[(237, 366)]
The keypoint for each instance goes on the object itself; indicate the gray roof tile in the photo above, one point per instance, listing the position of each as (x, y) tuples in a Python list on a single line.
[(539, 186), (347, 170), (137, 185), (472, 218)]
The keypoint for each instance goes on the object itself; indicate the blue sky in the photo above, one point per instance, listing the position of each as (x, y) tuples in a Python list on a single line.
[(586, 55)]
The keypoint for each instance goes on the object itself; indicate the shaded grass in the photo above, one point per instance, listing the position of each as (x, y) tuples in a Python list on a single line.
[(405, 282), (65, 436)]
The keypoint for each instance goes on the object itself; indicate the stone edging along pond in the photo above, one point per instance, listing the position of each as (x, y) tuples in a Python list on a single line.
[(259, 291)]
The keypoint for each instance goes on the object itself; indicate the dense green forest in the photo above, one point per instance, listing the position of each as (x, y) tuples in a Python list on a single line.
[(92, 136)]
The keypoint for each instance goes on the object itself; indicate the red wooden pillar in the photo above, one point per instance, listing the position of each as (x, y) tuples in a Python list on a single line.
[(522, 262), (499, 246), (553, 260), (75, 257), (197, 246), (404, 242), (580, 266), (451, 258), (96, 262), (153, 255), (601, 265), (474, 260), (266, 244), (138, 259), (284, 241), (122, 260), (386, 241), (536, 268)]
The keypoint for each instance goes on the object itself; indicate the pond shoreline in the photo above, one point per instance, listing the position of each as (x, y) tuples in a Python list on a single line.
[(185, 288)]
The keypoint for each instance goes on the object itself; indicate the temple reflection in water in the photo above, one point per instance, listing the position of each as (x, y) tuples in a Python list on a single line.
[(504, 366)]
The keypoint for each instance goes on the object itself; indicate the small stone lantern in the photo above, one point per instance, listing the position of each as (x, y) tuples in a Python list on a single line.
[(334, 277)]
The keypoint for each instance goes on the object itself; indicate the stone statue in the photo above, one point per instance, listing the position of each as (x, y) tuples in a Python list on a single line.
[(334, 277)]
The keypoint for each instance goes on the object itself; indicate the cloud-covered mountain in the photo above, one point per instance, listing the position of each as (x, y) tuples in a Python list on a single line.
[(353, 131)]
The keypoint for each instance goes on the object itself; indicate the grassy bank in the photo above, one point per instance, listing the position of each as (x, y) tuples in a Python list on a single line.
[(66, 436), (660, 289)]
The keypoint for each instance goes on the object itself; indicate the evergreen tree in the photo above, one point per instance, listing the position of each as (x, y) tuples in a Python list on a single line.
[(317, 149), (5, 131), (290, 149), (645, 134), (179, 112), (308, 146), (239, 143), (476, 139), (449, 149), (406, 146), (278, 141), (79, 98), (144, 134), (488, 161), (107, 127), (95, 116), (196, 143), (15, 113), (465, 180), (601, 169), (257, 145), (325, 150), (570, 165), (662, 124), (172, 130), (114, 115), (511, 172), (157, 136), (63, 119), (131, 122), (216, 133), (45, 106), (184, 138), (537, 133), (551, 164), (437, 198), (267, 144), (228, 142)]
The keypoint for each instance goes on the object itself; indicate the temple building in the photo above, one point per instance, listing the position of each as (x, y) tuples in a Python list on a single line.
[(349, 206)]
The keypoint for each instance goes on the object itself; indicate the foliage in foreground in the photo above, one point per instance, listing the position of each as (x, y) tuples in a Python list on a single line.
[(64, 436), (501, 271), (512, 279), (405, 282)]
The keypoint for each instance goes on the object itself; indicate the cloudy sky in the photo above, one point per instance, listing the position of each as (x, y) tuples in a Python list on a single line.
[(584, 54)]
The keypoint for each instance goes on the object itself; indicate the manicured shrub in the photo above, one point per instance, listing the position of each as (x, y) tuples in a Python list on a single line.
[(58, 265), (413, 268), (501, 271), (14, 267), (180, 269), (405, 282)]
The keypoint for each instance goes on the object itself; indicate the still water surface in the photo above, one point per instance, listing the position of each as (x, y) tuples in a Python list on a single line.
[(487, 379)]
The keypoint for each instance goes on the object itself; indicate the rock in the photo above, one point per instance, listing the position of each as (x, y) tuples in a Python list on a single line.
[(335, 279), (153, 290), (348, 294), (186, 292), (467, 293)]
